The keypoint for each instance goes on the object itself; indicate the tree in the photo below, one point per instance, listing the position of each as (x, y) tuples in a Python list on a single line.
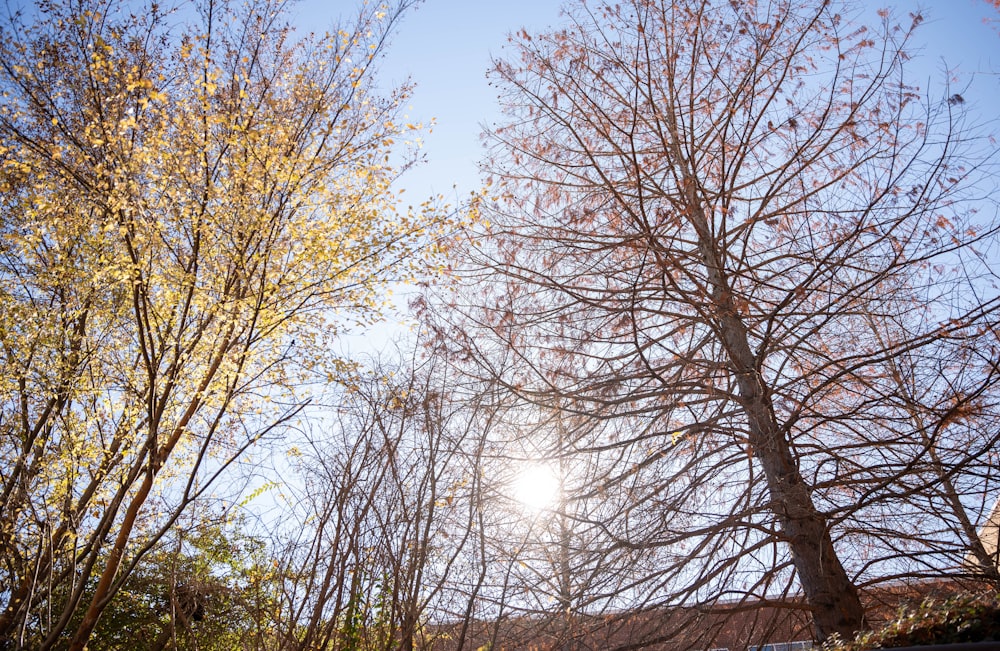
[(944, 392), (723, 224), (198, 591), (562, 564), (371, 536), (189, 198)]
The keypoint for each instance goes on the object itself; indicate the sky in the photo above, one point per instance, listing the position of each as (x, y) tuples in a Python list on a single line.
[(446, 46)]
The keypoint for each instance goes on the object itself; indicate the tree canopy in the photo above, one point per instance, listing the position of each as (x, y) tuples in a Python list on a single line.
[(732, 292), (190, 197), (741, 240)]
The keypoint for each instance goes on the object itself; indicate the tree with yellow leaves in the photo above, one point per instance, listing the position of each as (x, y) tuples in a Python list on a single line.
[(188, 198)]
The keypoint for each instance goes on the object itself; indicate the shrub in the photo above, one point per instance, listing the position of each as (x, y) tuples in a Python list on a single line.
[(968, 617)]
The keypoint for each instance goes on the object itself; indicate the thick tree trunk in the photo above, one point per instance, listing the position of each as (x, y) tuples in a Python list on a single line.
[(828, 590), (830, 594)]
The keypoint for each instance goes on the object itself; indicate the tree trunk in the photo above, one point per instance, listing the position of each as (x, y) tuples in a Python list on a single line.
[(831, 595)]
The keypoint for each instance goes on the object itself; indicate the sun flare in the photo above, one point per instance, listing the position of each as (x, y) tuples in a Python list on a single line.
[(537, 487)]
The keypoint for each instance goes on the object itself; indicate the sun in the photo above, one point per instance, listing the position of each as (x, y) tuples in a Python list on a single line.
[(536, 487)]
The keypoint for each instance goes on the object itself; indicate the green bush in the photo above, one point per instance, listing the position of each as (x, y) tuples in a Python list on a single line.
[(962, 618)]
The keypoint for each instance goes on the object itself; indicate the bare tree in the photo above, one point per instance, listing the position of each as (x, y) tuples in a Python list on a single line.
[(724, 223), (377, 531), (944, 398)]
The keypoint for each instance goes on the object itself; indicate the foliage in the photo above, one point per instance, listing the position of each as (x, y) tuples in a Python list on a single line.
[(969, 617), (197, 592), (193, 202), (736, 288)]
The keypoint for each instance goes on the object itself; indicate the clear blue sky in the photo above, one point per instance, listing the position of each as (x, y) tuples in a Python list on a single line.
[(446, 46)]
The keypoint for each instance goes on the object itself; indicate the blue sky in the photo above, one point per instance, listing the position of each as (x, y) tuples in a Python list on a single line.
[(446, 46)]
